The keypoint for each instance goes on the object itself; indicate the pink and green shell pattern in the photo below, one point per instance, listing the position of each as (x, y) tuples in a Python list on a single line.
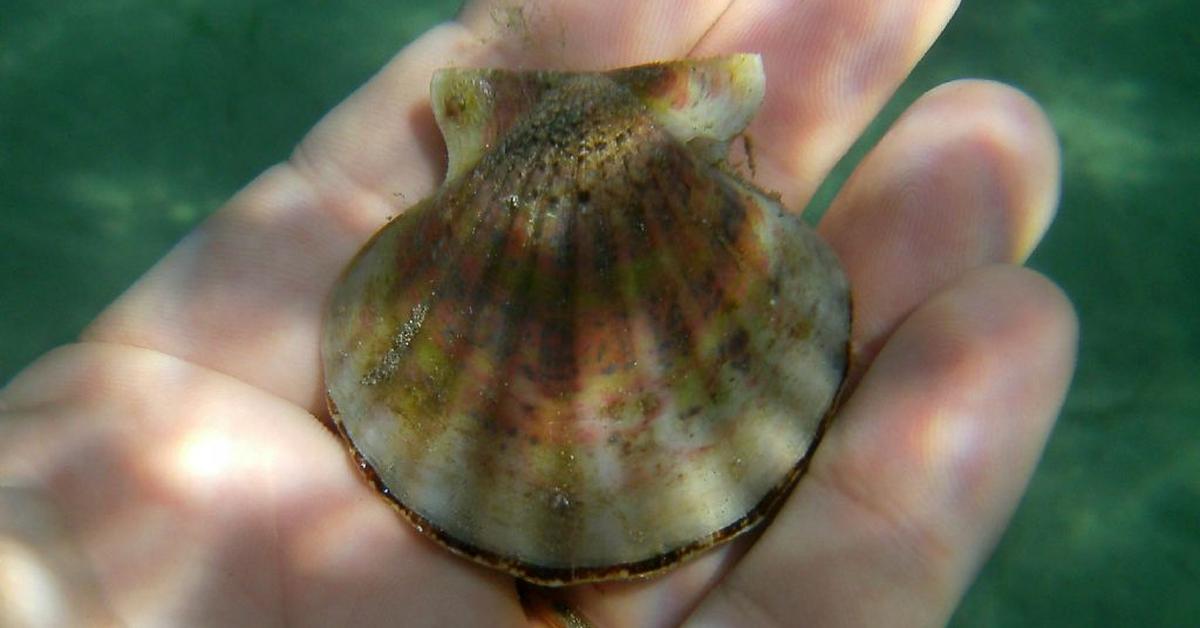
[(595, 350)]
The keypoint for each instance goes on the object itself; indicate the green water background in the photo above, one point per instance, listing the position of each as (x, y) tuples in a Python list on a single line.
[(124, 123)]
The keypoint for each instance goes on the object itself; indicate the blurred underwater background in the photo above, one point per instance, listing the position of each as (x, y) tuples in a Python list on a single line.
[(124, 124)]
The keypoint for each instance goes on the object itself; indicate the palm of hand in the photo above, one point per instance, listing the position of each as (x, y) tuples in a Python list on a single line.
[(179, 442)]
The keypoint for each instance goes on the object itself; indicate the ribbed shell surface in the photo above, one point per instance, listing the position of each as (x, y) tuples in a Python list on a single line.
[(593, 353)]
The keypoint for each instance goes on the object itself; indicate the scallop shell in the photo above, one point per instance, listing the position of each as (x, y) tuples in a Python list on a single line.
[(595, 350)]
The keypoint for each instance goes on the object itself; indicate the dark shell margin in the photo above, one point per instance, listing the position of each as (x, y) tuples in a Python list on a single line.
[(562, 576)]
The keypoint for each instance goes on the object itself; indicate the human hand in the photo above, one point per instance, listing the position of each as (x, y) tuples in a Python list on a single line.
[(178, 442)]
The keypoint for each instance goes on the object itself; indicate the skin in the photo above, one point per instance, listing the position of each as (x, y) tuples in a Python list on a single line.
[(183, 476)]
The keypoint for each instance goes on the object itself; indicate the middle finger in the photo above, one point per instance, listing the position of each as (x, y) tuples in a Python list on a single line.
[(831, 65)]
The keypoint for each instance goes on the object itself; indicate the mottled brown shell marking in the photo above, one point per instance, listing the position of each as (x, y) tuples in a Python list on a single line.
[(593, 351)]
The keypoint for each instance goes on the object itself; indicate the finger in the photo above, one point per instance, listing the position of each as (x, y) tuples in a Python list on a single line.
[(661, 601), (369, 139), (583, 35), (193, 494), (43, 573), (968, 176), (922, 469), (831, 65)]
